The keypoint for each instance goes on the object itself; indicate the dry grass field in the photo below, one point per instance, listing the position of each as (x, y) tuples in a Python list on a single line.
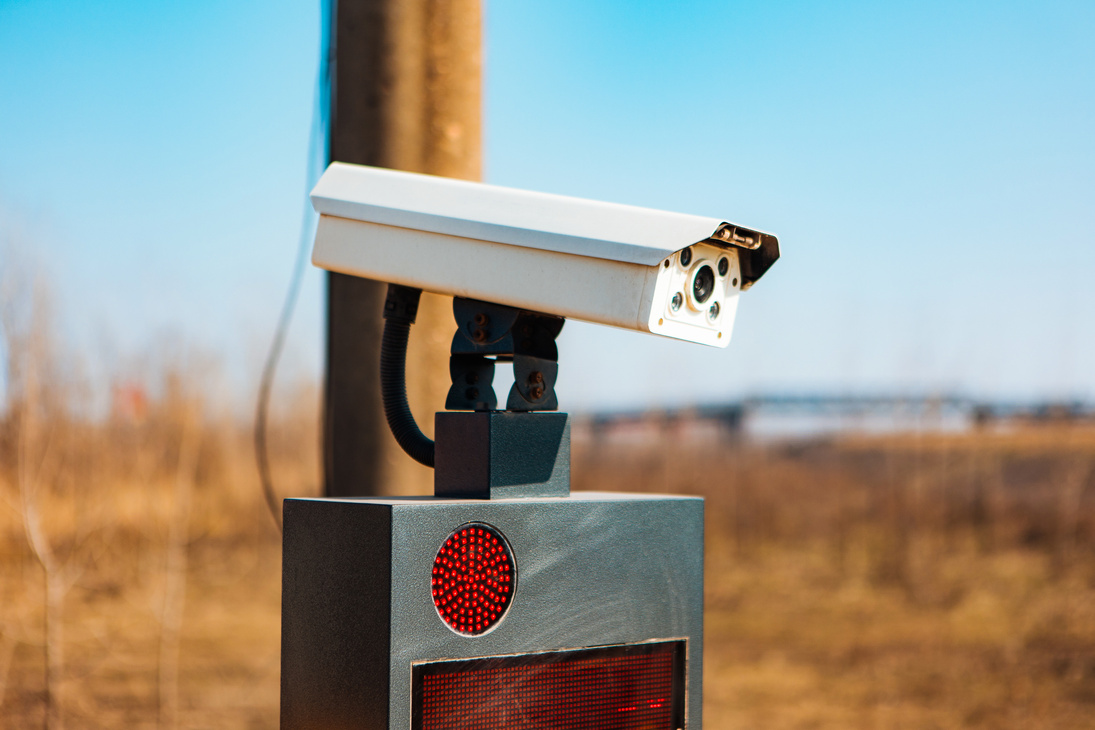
[(140, 569), (857, 582)]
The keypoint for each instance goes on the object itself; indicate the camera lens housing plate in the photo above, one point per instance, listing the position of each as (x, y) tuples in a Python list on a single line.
[(697, 278)]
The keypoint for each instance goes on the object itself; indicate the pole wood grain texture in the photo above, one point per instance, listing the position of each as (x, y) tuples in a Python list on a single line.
[(406, 93)]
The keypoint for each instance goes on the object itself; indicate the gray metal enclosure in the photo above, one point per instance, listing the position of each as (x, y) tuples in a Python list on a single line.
[(593, 569)]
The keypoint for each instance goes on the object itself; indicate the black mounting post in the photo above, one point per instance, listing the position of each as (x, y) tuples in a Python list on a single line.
[(486, 453)]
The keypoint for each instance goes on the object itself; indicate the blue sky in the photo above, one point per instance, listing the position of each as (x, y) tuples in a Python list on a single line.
[(930, 170)]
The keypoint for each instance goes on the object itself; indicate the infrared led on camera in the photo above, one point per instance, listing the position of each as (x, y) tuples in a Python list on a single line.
[(474, 578)]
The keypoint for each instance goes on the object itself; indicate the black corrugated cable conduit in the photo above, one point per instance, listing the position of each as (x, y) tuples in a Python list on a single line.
[(400, 310)]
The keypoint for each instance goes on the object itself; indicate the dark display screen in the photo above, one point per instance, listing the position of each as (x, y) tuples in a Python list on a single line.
[(605, 688)]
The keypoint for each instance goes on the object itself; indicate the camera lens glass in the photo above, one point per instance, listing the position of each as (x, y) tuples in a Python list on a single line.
[(686, 257), (724, 266), (704, 284)]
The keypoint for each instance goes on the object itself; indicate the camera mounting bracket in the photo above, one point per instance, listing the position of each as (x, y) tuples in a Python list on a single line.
[(488, 333), (523, 451)]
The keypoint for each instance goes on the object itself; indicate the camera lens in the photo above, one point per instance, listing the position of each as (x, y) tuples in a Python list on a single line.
[(724, 266), (686, 257), (704, 284)]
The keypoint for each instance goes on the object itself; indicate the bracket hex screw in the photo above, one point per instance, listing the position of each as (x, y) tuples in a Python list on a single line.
[(537, 392)]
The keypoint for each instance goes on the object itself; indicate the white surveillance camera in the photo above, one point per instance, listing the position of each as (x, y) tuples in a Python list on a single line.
[(640, 269)]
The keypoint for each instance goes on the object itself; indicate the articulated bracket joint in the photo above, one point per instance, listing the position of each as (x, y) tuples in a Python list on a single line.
[(490, 333)]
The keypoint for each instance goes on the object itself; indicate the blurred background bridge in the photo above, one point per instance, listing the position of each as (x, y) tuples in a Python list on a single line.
[(789, 415)]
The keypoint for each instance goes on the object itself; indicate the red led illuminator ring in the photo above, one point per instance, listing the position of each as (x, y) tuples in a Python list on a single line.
[(474, 579)]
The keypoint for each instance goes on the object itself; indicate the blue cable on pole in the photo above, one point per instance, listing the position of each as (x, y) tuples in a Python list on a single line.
[(317, 156)]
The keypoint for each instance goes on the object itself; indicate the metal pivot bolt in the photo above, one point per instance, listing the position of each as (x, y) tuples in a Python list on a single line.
[(536, 390)]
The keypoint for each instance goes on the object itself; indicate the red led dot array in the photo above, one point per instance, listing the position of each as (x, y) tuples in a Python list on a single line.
[(618, 688), (473, 579)]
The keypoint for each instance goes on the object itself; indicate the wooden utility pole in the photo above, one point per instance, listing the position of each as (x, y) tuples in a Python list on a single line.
[(405, 94)]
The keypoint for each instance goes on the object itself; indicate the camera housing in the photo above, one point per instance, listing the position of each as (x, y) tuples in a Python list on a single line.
[(636, 268)]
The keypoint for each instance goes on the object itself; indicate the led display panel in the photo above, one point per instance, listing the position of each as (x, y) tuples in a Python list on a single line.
[(622, 687)]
